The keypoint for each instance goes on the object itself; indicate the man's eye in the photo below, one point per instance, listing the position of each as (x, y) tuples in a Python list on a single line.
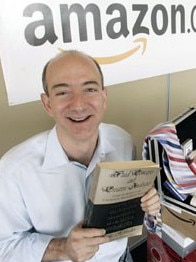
[(91, 90), (62, 93)]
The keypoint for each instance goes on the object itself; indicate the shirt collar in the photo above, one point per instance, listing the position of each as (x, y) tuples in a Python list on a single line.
[(104, 144), (104, 147), (56, 157), (54, 153)]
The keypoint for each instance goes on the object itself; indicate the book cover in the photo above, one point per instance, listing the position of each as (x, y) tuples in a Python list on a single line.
[(114, 197)]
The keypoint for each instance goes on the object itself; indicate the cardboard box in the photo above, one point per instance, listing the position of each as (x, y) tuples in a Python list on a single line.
[(181, 244), (159, 251), (179, 219), (175, 212)]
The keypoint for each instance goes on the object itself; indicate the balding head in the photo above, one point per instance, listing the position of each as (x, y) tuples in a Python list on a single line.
[(63, 55)]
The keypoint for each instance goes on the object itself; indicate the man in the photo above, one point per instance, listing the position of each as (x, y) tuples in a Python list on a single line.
[(44, 181)]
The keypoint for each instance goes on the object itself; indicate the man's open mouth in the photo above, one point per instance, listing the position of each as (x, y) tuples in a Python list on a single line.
[(79, 119)]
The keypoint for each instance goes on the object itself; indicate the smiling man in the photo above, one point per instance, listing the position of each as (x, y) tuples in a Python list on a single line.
[(44, 181), (76, 99)]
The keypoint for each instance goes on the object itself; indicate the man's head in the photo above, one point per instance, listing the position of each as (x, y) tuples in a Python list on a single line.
[(74, 95), (44, 82)]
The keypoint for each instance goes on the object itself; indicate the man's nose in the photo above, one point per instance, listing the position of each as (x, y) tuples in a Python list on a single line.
[(78, 101)]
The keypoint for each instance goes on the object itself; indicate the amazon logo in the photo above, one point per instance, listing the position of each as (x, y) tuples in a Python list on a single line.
[(141, 44), (190, 221), (115, 21)]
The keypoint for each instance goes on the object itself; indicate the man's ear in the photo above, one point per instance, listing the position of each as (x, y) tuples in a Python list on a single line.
[(46, 103), (105, 97)]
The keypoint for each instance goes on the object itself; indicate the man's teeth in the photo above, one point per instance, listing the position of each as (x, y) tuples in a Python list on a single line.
[(78, 119)]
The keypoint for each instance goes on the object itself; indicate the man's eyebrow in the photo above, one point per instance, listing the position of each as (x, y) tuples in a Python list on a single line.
[(90, 82), (60, 85)]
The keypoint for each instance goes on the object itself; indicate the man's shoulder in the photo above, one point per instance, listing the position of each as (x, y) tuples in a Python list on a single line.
[(113, 136), (27, 149), (114, 130)]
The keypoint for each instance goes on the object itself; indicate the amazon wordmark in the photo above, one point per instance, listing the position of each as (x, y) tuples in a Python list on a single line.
[(115, 21)]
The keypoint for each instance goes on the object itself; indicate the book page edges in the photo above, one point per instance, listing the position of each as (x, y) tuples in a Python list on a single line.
[(128, 232), (127, 164)]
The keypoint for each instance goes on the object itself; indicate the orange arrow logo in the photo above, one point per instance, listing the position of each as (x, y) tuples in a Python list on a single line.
[(120, 57)]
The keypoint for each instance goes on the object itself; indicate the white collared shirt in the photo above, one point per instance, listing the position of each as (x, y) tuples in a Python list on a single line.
[(43, 194)]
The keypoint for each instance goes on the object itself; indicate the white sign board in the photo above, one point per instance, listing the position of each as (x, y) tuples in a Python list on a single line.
[(130, 39)]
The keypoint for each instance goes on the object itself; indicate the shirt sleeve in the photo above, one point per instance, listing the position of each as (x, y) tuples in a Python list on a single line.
[(24, 247), (18, 239), (150, 222)]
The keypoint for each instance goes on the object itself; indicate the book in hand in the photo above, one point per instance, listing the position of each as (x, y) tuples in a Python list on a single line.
[(114, 196)]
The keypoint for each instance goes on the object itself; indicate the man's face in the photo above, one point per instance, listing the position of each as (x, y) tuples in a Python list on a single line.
[(76, 100)]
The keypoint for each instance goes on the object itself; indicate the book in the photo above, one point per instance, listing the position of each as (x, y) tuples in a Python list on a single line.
[(114, 196)]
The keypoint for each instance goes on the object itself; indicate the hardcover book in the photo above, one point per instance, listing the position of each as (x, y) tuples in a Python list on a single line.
[(114, 197)]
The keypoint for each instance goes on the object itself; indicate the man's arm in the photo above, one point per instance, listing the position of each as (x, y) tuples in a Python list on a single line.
[(79, 246)]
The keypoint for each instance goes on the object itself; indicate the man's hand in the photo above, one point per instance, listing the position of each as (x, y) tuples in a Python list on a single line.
[(83, 243), (79, 246), (150, 203)]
